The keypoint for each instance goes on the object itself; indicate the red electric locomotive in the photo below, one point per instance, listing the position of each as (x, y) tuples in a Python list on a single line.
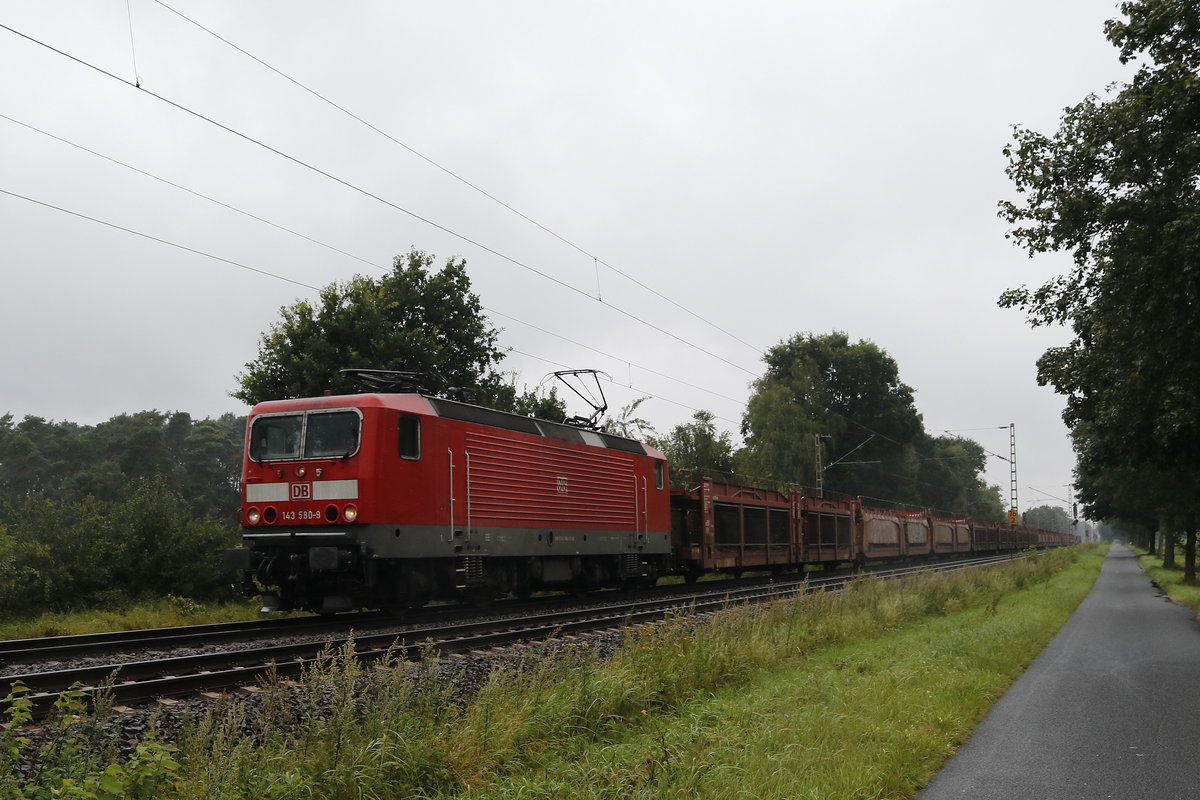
[(386, 500)]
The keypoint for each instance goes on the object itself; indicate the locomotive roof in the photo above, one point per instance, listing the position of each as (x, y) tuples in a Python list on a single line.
[(414, 403)]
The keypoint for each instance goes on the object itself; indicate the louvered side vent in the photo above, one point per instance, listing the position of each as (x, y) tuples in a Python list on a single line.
[(468, 571)]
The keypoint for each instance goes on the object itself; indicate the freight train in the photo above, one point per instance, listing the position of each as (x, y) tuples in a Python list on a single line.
[(389, 499)]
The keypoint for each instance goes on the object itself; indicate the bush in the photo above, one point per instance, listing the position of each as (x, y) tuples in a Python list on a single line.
[(62, 556)]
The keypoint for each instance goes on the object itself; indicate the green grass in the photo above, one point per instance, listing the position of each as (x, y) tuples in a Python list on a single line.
[(857, 694), (865, 698), (1171, 580), (162, 614)]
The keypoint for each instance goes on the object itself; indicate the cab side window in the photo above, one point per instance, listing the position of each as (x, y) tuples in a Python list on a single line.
[(410, 437)]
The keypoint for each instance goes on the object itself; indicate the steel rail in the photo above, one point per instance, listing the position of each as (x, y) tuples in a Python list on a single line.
[(80, 645), (64, 648)]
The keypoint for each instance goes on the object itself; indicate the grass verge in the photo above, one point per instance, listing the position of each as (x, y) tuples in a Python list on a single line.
[(858, 694), (862, 695), (1171, 580), (166, 613)]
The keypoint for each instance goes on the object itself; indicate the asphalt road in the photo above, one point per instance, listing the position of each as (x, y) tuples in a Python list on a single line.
[(1111, 708)]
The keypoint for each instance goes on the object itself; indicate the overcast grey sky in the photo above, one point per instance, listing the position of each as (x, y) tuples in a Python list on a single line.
[(772, 167)]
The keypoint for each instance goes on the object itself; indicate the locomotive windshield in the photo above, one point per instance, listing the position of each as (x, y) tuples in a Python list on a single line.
[(276, 438), (331, 435), (310, 434)]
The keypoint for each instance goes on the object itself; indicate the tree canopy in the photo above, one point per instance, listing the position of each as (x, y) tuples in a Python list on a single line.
[(138, 506), (849, 394), (1118, 187), (847, 399), (950, 478), (696, 448), (1048, 518), (64, 461), (413, 319)]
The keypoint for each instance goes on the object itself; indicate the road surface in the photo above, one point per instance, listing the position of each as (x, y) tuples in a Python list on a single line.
[(1110, 709)]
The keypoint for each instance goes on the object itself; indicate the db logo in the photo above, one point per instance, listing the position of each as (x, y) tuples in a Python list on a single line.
[(562, 485), (302, 491)]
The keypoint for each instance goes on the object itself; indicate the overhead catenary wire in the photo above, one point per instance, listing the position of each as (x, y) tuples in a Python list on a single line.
[(277, 276), (373, 196), (608, 379), (132, 46), (192, 192), (596, 260), (332, 177), (167, 242), (614, 357), (1005, 459), (1051, 496), (263, 220)]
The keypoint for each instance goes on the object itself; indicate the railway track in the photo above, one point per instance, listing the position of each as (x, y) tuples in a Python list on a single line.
[(22, 651), (136, 682)]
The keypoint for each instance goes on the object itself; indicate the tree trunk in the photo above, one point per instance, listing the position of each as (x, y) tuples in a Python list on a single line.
[(1151, 537), (1189, 556), (1168, 550)]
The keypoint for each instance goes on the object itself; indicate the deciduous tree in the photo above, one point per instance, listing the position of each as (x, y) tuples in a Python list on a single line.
[(1118, 187), (848, 393), (413, 319), (697, 448), (847, 399), (1048, 518), (951, 481)]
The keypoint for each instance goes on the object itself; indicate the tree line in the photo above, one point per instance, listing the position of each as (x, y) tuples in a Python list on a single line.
[(1118, 187), (141, 506), (135, 508)]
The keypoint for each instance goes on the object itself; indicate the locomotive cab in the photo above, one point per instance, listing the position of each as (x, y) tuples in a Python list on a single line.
[(302, 476)]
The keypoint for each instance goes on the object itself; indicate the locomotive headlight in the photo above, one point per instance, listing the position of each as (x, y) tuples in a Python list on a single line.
[(253, 516), (301, 472), (350, 513)]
